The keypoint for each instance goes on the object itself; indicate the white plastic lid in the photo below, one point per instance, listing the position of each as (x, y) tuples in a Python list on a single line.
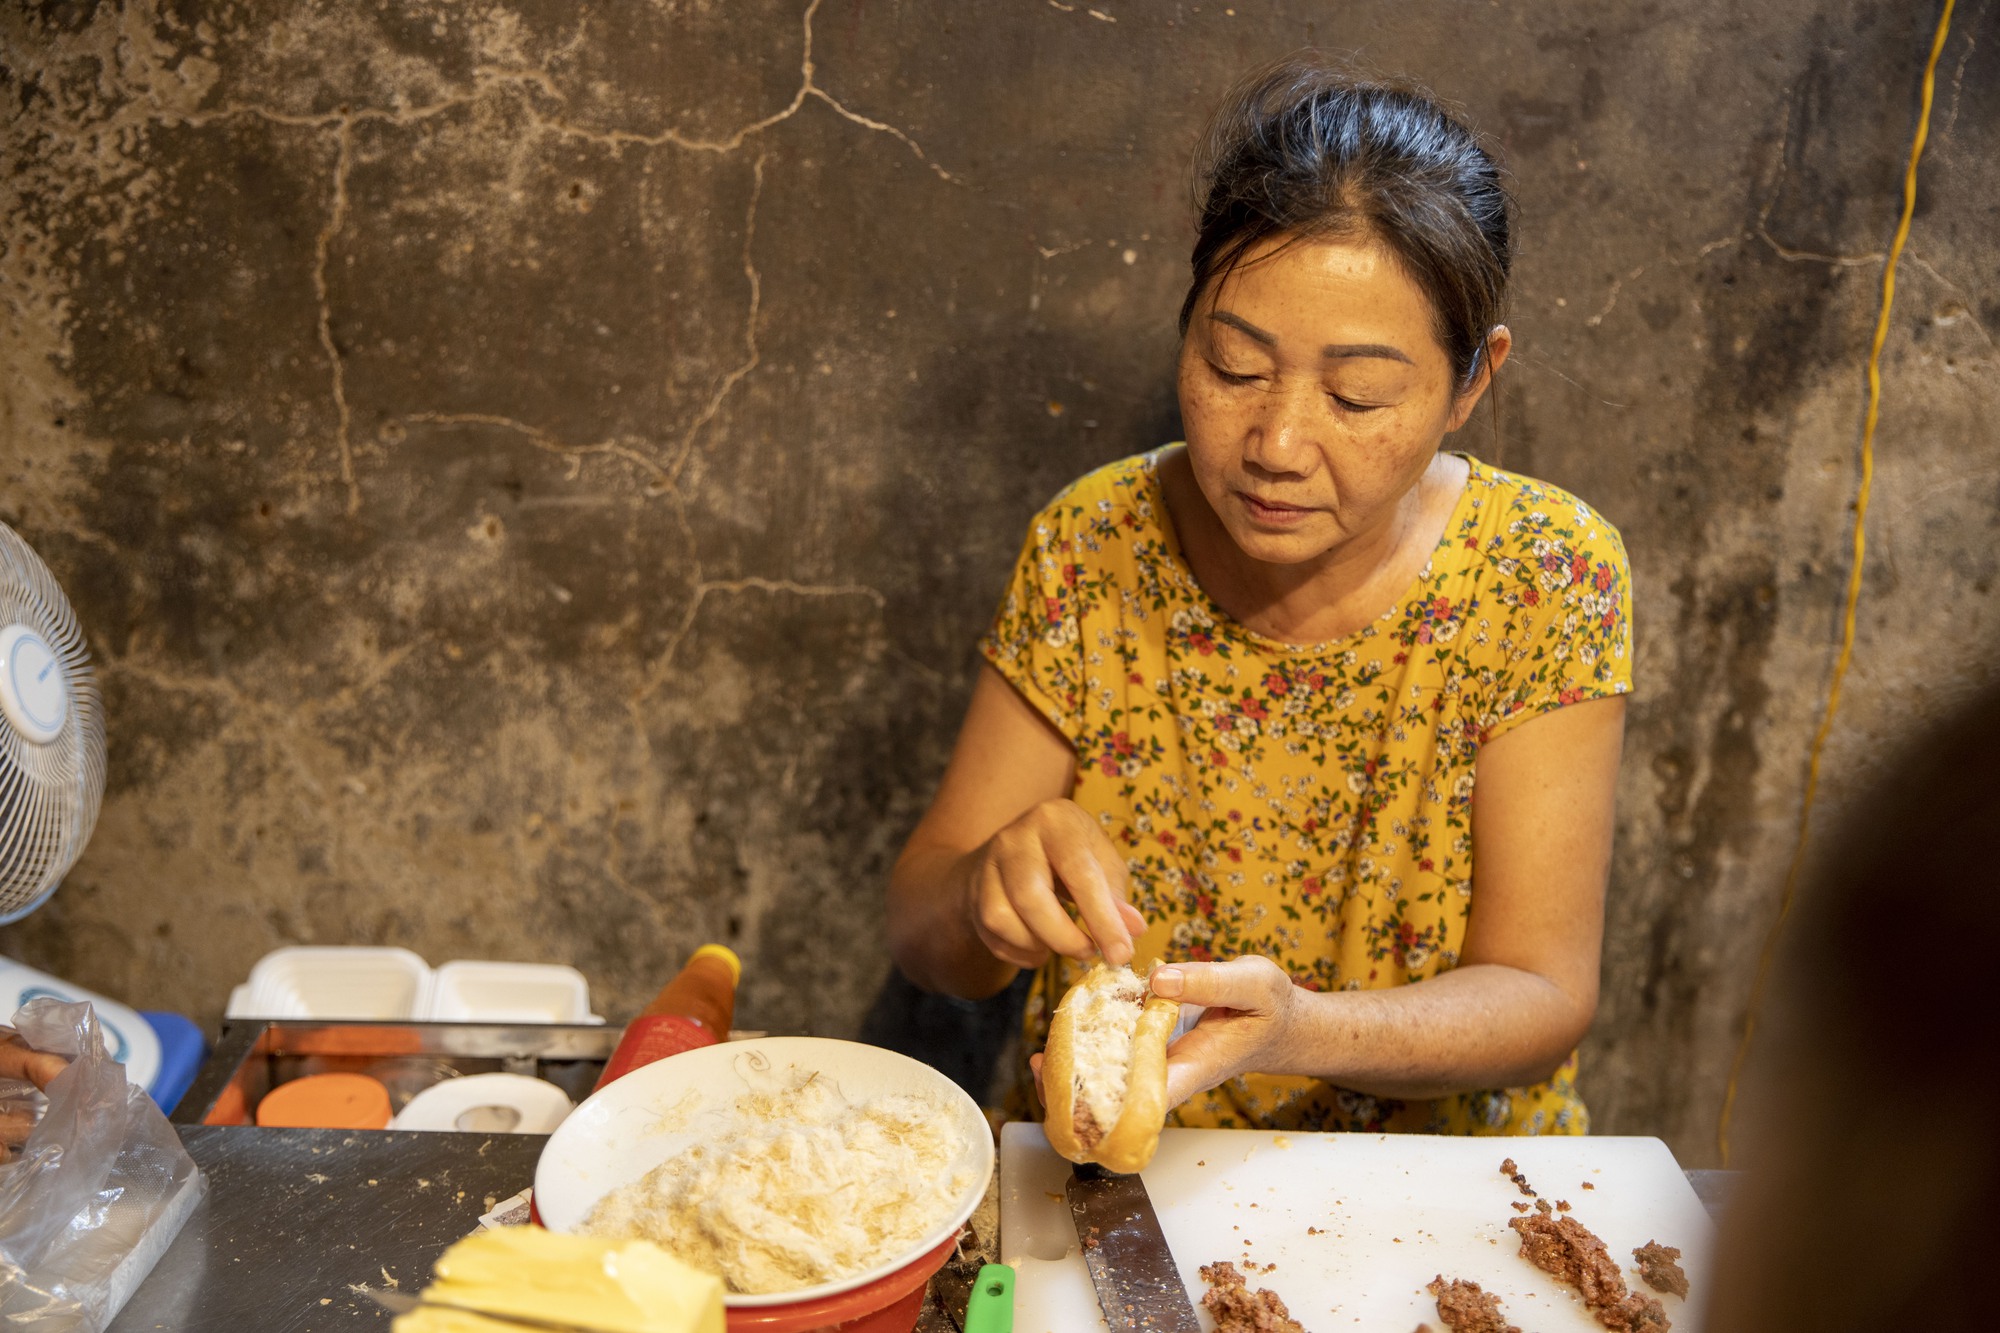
[(127, 1036)]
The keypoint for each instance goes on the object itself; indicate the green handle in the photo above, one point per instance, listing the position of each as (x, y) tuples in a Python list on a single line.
[(991, 1309)]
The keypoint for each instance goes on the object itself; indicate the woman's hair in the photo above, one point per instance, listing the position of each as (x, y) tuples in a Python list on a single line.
[(1303, 150)]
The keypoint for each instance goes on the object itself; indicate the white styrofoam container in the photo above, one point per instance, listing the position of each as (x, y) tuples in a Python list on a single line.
[(131, 1041), (475, 991), (339, 982), (387, 984)]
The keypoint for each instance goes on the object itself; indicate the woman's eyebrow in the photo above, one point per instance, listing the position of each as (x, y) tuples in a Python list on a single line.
[(1330, 352), (1334, 351), (1244, 326)]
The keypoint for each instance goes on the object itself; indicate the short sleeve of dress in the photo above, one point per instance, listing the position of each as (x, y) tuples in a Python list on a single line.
[(1034, 640), (1564, 587)]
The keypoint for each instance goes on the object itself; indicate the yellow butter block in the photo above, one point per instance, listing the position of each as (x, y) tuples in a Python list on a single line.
[(617, 1286), (452, 1321)]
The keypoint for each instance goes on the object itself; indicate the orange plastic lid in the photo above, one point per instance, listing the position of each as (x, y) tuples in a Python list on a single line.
[(326, 1101)]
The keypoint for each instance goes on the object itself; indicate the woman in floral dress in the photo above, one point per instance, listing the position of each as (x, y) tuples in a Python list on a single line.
[(1322, 717)]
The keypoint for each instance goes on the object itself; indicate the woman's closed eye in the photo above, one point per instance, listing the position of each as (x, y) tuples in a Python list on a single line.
[(1341, 401), (1234, 377)]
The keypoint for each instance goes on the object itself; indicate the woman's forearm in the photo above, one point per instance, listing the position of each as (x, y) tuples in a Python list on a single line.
[(931, 935), (1482, 1025)]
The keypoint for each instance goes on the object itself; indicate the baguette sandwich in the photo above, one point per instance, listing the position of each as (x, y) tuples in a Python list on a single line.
[(1104, 1074)]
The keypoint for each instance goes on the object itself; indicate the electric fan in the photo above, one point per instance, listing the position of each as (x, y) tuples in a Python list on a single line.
[(52, 740), (51, 781)]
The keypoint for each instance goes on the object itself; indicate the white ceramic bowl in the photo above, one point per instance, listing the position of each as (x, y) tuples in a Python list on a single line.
[(627, 1128)]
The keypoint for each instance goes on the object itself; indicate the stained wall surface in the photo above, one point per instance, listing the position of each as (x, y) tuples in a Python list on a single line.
[(532, 473)]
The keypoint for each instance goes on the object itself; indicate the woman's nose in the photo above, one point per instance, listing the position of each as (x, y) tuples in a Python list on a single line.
[(1283, 438)]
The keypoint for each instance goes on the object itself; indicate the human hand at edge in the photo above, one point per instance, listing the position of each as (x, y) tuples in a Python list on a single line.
[(21, 1061)]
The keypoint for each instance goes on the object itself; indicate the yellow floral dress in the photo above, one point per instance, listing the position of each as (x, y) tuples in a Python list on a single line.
[(1309, 803)]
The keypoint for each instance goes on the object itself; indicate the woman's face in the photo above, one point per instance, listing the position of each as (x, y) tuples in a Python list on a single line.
[(1315, 394)]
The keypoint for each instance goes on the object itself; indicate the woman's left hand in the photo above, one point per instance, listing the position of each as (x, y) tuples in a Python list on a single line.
[(1251, 1004)]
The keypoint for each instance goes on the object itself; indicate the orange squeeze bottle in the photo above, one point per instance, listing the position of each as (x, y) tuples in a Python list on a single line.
[(692, 1010)]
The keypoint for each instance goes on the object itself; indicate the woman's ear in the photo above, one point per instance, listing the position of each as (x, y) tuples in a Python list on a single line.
[(1486, 361)]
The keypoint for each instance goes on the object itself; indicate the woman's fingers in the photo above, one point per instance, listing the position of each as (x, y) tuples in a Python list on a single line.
[(1000, 927), (1078, 854), (1194, 1064), (1054, 851), (1030, 883), (1250, 984)]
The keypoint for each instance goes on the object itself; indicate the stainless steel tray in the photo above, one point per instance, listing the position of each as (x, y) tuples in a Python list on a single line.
[(252, 1056)]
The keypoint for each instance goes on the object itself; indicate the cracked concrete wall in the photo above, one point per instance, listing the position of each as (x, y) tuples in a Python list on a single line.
[(532, 473)]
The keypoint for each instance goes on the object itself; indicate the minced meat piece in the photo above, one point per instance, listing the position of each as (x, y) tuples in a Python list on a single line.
[(1467, 1309), (1660, 1266), (1237, 1309), (1635, 1314), (1568, 1251)]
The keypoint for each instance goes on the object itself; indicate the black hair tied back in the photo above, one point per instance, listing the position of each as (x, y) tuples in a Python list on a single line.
[(1304, 150)]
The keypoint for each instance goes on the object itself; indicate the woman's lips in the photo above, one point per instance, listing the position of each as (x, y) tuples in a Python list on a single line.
[(1272, 513)]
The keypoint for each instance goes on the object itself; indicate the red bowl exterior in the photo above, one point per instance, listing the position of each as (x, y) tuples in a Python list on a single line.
[(889, 1304)]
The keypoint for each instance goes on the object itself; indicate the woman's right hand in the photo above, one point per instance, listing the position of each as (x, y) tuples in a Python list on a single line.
[(1020, 876)]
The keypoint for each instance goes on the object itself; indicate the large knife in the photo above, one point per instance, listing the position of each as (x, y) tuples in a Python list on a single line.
[(1130, 1265)]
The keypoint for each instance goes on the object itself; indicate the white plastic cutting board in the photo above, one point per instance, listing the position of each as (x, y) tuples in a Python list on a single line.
[(1393, 1211)]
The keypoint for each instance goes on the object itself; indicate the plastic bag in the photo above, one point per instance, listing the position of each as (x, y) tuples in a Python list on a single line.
[(98, 1192)]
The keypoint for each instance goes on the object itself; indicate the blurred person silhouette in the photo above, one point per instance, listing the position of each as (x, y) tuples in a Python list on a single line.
[(1874, 1154)]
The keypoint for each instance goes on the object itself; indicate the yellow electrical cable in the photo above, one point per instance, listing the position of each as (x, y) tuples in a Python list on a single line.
[(1840, 664)]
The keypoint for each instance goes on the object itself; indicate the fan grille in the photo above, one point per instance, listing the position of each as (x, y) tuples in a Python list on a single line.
[(49, 794)]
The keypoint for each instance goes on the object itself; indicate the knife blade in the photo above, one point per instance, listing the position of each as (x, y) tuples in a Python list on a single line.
[(1130, 1265)]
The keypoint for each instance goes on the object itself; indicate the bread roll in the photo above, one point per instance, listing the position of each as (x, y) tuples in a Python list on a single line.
[(1104, 1074)]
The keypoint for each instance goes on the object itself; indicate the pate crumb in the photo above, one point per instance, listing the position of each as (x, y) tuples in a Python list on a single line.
[(1237, 1309), (1660, 1266), (1513, 1173), (1465, 1308)]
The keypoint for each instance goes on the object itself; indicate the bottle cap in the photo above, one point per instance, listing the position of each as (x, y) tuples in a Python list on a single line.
[(726, 954)]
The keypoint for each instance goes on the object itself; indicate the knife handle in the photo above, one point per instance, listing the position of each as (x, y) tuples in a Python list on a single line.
[(991, 1309)]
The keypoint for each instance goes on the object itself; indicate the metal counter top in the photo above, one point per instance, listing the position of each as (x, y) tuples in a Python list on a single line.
[(298, 1225)]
